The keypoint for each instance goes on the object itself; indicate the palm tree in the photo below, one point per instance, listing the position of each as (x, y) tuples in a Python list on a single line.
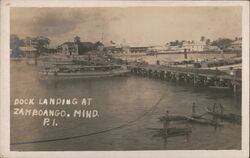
[(208, 41), (202, 38)]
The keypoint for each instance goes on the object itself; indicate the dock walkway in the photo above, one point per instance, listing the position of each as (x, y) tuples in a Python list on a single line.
[(199, 77)]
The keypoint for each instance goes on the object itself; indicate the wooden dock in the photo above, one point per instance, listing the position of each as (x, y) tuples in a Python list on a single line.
[(195, 76)]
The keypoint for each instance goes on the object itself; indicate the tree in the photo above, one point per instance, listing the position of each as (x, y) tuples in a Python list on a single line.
[(41, 43), (14, 42), (27, 41), (98, 44), (182, 42), (208, 41), (175, 43), (77, 39), (202, 38), (222, 43)]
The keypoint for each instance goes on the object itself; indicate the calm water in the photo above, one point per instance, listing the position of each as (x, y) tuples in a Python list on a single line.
[(119, 100)]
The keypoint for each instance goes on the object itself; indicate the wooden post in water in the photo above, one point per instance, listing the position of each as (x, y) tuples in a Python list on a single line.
[(195, 79), (166, 123), (177, 76), (36, 58), (185, 53), (235, 87)]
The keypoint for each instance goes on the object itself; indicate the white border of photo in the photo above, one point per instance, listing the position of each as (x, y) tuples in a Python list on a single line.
[(5, 82)]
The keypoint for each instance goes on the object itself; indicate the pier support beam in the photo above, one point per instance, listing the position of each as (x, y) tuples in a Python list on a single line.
[(196, 76), (195, 79)]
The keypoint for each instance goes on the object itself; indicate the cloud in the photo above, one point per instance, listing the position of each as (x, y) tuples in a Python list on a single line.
[(131, 24), (50, 21)]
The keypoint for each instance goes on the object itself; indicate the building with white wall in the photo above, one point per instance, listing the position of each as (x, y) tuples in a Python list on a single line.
[(193, 46), (69, 48)]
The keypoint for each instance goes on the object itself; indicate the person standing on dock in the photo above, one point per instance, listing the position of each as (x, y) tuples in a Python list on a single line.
[(221, 109)]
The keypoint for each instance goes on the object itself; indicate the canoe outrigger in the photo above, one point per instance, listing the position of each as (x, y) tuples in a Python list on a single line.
[(227, 117), (190, 119), (203, 121), (172, 132), (194, 118), (173, 118), (167, 131)]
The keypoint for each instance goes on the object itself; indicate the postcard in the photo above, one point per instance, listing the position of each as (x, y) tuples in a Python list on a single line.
[(124, 79)]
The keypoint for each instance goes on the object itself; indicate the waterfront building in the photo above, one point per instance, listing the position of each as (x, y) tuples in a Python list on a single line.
[(84, 47), (126, 49), (68, 48), (52, 50), (236, 45), (138, 49), (75, 48), (176, 49), (113, 49), (159, 49), (109, 49), (193, 46), (28, 51), (210, 48)]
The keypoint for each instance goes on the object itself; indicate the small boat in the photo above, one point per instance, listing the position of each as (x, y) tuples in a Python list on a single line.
[(219, 87), (228, 117), (172, 132), (203, 121), (172, 118)]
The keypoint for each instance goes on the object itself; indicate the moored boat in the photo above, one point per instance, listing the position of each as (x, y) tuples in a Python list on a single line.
[(219, 87), (172, 132), (227, 117), (204, 121), (173, 118), (69, 71)]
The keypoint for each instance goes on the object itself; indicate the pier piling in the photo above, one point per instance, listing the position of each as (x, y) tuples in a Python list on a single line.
[(198, 77)]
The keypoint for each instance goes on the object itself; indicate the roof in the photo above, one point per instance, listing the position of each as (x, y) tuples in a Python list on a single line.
[(139, 47), (67, 43), (85, 44), (159, 48), (193, 43), (27, 49), (237, 42)]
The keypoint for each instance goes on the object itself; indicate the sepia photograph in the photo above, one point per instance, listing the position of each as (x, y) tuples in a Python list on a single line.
[(126, 78)]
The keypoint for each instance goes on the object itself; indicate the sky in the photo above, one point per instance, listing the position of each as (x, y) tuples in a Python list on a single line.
[(127, 25)]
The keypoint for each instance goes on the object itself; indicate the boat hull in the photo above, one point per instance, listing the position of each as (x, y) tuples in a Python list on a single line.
[(172, 132), (219, 88), (227, 117), (75, 75)]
